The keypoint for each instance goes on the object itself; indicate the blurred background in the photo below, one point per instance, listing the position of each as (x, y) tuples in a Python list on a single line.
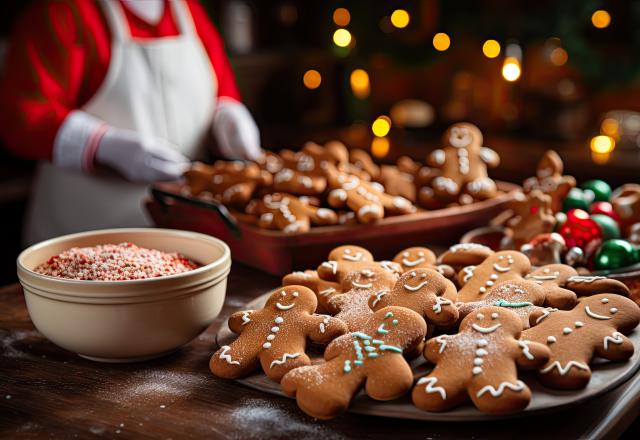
[(390, 76)]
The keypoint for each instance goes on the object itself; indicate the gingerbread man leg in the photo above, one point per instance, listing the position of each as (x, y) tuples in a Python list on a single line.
[(439, 391), (381, 386), (499, 394), (566, 374), (277, 363), (243, 361)]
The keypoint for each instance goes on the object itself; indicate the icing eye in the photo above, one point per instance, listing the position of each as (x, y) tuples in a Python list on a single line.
[(604, 300), (423, 276), (501, 257), (613, 310), (546, 270), (480, 316), (556, 273), (494, 315), (413, 274), (283, 293), (421, 254), (406, 254), (296, 294), (494, 276), (347, 251)]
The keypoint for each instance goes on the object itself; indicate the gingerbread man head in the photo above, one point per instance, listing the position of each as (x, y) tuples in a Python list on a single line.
[(463, 135), (415, 258)]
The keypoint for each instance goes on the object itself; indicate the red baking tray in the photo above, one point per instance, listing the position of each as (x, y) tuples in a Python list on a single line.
[(278, 253)]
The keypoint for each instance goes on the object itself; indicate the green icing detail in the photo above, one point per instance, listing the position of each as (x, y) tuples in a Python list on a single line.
[(504, 303), (388, 315), (347, 366), (382, 330), (395, 322), (361, 335), (358, 362), (378, 341), (391, 348), (367, 342), (373, 355)]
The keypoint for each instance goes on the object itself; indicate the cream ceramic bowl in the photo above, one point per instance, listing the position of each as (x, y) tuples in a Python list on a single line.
[(127, 321)]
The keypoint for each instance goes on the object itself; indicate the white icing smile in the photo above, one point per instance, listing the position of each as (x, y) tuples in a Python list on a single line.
[(409, 263), (481, 329), (595, 315), (362, 286), (282, 307), (499, 268), (414, 288), (356, 257)]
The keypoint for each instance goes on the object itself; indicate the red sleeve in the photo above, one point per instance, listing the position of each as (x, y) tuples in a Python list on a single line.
[(215, 49), (53, 66)]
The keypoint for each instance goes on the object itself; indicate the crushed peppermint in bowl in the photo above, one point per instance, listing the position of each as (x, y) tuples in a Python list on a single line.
[(124, 295), (115, 262)]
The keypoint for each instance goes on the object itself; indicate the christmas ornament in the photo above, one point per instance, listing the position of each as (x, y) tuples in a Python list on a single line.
[(577, 199), (614, 254), (574, 257), (604, 208), (608, 226), (600, 189), (579, 229), (545, 249), (561, 217)]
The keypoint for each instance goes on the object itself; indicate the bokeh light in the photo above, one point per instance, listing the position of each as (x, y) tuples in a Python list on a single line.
[(441, 41), (511, 69), (610, 127), (341, 17), (381, 126), (558, 56), (380, 146), (602, 144), (360, 84), (342, 37), (601, 19), (312, 79), (491, 48), (400, 18)]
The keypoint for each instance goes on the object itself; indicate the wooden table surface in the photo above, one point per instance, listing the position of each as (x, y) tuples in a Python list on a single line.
[(46, 392)]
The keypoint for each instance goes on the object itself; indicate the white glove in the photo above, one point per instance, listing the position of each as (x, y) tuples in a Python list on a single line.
[(235, 130), (83, 138)]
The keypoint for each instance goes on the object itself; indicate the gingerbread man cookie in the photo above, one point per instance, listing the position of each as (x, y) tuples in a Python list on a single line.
[(463, 164), (289, 214), (352, 306), (323, 289), (587, 285), (549, 180), (596, 327), (465, 254), (532, 216), (422, 257), (232, 183), (367, 199), (361, 160), (276, 336), (498, 267), (480, 363), (347, 258), (426, 292), (522, 297), (371, 358)]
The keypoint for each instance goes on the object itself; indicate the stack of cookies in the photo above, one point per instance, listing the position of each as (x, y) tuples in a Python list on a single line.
[(479, 317), (327, 185)]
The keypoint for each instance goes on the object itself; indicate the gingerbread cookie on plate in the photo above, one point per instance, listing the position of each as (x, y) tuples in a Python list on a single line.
[(289, 214), (323, 289)]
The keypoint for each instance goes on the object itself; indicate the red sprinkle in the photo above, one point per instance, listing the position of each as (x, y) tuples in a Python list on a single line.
[(115, 262)]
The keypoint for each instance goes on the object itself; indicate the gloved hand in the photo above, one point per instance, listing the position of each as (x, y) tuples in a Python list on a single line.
[(84, 139), (138, 159), (236, 131)]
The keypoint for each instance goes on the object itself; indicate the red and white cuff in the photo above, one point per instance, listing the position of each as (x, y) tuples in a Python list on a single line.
[(77, 141)]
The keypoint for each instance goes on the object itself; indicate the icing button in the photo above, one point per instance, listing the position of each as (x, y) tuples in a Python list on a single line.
[(566, 330), (551, 339)]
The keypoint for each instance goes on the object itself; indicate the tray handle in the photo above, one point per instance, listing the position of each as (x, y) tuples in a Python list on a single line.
[(161, 197)]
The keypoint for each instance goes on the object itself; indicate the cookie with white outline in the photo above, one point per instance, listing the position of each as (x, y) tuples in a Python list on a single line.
[(465, 254), (480, 364), (275, 337), (289, 214), (323, 289), (371, 358), (595, 327), (347, 258)]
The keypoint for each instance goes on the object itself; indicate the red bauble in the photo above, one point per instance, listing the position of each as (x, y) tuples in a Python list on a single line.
[(579, 229), (605, 208)]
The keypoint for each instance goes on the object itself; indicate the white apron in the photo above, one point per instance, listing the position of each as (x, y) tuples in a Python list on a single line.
[(163, 87)]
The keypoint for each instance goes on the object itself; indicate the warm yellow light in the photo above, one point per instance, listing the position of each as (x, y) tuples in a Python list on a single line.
[(511, 69), (602, 144), (312, 79), (380, 147), (342, 37), (601, 19), (400, 18), (558, 56), (441, 41), (341, 16), (360, 84), (600, 158), (491, 48), (381, 126), (610, 126)]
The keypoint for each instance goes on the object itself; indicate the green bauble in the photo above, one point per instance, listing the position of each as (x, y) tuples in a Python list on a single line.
[(576, 199), (600, 189), (614, 254), (608, 226)]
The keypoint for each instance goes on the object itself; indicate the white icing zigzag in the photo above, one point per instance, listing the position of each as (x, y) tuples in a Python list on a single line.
[(616, 338), (379, 297), (284, 359), (430, 388), (442, 341), (564, 370), (518, 386), (584, 279), (546, 312), (245, 317), (524, 345), (468, 273), (333, 265), (226, 357), (437, 307)]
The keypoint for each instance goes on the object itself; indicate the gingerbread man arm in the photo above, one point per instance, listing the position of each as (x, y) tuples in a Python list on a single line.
[(324, 328), (322, 216), (490, 157), (381, 385), (560, 298), (239, 320), (328, 270), (337, 346), (379, 299), (532, 354), (434, 347), (441, 309), (615, 347), (539, 314), (436, 158)]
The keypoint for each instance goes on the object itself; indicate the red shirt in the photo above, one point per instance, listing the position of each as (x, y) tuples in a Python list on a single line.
[(59, 57)]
